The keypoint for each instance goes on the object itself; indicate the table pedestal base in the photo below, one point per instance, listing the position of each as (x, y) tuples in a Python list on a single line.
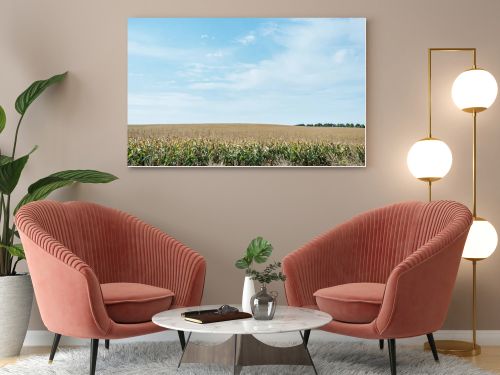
[(246, 350)]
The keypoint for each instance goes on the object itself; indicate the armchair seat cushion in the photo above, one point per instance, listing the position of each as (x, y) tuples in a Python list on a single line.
[(351, 303), (135, 303)]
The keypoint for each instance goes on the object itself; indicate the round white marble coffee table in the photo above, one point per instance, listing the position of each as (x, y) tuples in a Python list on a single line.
[(242, 348)]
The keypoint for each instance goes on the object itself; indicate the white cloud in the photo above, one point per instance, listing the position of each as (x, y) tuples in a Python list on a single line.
[(247, 39), (264, 107), (305, 63), (339, 56), (216, 54), (268, 29), (159, 52), (161, 107), (204, 36), (181, 56), (175, 99)]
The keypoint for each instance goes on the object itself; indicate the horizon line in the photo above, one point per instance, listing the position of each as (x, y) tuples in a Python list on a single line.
[(243, 123)]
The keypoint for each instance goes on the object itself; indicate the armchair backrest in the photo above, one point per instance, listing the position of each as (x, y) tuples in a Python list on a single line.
[(94, 233), (368, 247), (386, 236), (379, 240)]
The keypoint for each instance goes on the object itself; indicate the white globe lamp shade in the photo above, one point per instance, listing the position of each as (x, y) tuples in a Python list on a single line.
[(481, 241), (429, 159), (474, 90)]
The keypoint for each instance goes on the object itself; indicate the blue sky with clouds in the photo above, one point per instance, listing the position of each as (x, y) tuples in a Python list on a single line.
[(246, 70)]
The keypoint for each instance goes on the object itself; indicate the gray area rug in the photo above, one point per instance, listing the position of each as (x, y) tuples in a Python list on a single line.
[(161, 358)]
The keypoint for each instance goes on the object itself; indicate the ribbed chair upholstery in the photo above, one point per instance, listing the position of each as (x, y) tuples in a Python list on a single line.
[(82, 255), (385, 274)]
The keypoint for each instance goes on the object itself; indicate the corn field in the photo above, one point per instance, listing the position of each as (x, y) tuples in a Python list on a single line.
[(171, 151)]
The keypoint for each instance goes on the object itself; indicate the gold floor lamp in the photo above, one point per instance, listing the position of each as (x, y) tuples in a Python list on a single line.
[(430, 159)]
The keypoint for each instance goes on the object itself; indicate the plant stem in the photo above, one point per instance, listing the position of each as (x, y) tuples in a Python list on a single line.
[(12, 234), (3, 252), (15, 137), (13, 271), (6, 235)]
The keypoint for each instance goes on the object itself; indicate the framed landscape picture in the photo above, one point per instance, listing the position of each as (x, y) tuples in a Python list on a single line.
[(247, 92)]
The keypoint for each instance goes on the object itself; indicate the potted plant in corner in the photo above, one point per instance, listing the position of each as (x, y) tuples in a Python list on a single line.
[(16, 291)]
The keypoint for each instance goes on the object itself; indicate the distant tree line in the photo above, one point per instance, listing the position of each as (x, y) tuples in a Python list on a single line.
[(330, 125)]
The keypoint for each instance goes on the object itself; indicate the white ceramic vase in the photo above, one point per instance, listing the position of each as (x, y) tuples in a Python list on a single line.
[(16, 298), (248, 292)]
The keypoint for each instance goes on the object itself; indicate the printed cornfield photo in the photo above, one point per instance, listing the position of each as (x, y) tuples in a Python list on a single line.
[(229, 92)]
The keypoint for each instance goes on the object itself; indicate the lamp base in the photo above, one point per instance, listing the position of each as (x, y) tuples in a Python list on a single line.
[(456, 348)]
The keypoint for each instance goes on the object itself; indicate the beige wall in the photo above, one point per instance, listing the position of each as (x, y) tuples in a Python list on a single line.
[(82, 124)]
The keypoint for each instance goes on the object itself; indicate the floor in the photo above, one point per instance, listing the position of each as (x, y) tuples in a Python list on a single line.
[(25, 352), (488, 360)]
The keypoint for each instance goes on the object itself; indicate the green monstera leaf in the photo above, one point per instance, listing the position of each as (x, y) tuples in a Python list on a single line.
[(29, 95), (259, 250), (242, 263)]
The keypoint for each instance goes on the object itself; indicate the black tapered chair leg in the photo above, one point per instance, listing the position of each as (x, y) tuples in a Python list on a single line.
[(392, 355), (381, 344), (307, 333), (55, 344), (94, 346), (432, 344), (182, 339), (106, 344)]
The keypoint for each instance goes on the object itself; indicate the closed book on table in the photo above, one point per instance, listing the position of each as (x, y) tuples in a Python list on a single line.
[(212, 317)]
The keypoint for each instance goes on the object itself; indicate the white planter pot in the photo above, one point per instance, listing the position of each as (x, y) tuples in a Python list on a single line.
[(16, 298), (248, 292)]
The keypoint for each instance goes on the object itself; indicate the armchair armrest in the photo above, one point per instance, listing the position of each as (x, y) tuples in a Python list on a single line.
[(321, 263), (68, 292), (419, 289), (165, 262)]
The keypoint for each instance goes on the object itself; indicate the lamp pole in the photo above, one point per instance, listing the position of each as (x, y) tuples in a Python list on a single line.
[(475, 347), (454, 347), (474, 165)]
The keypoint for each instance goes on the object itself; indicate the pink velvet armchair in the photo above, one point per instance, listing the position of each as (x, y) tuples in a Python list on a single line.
[(99, 273), (385, 274)]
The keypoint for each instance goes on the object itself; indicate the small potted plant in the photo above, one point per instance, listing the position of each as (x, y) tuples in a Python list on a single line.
[(263, 303), (258, 251)]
